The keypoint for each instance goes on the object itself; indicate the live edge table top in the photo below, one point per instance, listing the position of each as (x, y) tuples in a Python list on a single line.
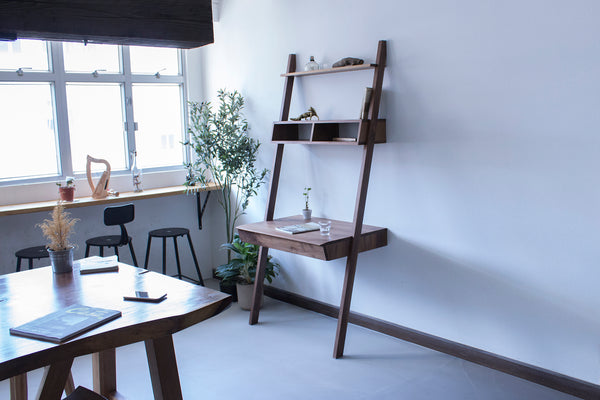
[(27, 295), (312, 244)]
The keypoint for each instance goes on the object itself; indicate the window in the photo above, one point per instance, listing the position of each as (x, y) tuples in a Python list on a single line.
[(60, 102)]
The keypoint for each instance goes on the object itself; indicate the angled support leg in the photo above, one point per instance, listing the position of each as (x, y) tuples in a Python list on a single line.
[(163, 369), (258, 284), (54, 380)]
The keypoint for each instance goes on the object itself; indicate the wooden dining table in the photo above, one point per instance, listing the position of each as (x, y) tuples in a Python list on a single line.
[(27, 295)]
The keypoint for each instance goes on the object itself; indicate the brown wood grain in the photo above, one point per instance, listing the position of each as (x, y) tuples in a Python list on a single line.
[(104, 372), (25, 208), (34, 293), (180, 23), (163, 368), (312, 244)]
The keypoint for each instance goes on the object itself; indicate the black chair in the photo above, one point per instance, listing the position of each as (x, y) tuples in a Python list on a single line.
[(31, 253), (117, 215), (83, 393), (174, 233)]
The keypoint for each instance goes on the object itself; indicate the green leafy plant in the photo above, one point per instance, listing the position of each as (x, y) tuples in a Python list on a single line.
[(306, 194), (225, 154), (242, 267), (69, 182)]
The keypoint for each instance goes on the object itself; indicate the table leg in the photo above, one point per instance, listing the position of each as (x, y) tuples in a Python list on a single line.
[(263, 255), (18, 387), (163, 368), (54, 380), (104, 369)]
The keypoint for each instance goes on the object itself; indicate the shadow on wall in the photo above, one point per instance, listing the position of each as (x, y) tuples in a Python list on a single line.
[(471, 304)]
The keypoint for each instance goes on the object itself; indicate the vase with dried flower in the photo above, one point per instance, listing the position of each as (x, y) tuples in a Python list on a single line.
[(57, 230), (67, 192)]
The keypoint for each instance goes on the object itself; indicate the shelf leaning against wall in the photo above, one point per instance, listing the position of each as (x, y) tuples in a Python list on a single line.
[(346, 239)]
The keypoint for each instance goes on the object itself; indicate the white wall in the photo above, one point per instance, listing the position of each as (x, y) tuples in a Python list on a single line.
[(488, 183)]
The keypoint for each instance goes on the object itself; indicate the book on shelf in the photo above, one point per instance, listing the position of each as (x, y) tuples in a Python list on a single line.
[(95, 264), (343, 139), (299, 228), (60, 326), (366, 103)]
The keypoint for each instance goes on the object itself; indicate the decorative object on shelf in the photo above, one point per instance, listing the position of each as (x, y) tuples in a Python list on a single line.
[(347, 61), (312, 65), (225, 154), (67, 192), (364, 111), (307, 115), (306, 212), (57, 230), (100, 190), (136, 174), (241, 269)]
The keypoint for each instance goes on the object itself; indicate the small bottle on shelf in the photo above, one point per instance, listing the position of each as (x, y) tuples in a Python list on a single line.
[(136, 174), (312, 65)]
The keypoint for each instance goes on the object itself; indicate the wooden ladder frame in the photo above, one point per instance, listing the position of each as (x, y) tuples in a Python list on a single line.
[(359, 208)]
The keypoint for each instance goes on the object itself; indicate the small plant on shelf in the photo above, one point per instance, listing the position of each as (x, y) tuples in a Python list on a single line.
[(306, 212), (67, 192)]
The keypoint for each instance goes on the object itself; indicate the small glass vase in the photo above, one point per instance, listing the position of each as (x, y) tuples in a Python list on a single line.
[(312, 65)]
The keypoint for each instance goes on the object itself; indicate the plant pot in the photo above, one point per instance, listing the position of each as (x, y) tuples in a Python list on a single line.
[(66, 193), (245, 292), (61, 260), (306, 213), (229, 288)]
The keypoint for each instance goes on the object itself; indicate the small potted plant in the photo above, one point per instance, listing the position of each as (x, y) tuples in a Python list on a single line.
[(67, 192), (57, 230), (306, 212), (241, 270)]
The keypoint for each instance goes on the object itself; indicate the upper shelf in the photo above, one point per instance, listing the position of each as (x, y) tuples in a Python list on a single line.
[(331, 70), (312, 244), (343, 132)]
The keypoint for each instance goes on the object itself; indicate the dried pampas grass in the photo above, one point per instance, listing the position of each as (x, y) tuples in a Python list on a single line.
[(58, 229)]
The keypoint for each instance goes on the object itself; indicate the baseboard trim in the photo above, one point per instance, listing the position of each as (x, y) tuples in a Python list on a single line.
[(541, 376)]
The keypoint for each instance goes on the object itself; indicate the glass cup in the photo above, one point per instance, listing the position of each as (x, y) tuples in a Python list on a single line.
[(325, 227)]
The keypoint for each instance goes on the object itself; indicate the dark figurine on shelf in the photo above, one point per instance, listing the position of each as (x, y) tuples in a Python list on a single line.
[(347, 61), (307, 115)]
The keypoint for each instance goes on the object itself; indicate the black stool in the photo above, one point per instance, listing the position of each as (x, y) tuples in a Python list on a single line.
[(117, 215), (174, 233), (31, 253)]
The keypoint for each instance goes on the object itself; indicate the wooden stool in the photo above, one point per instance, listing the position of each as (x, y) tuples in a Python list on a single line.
[(174, 233), (31, 253)]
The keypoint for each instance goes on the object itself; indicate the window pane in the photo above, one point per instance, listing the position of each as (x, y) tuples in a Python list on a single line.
[(26, 54), (96, 125), (157, 110), (150, 60), (91, 57), (28, 131)]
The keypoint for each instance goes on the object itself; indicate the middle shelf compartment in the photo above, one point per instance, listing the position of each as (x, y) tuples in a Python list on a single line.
[(348, 132)]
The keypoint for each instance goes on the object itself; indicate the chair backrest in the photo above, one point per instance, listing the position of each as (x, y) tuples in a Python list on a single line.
[(120, 215)]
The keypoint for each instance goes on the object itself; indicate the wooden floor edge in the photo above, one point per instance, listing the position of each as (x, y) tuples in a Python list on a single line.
[(532, 373)]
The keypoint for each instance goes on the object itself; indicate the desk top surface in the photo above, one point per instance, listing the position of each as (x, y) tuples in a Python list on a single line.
[(25, 208), (27, 295)]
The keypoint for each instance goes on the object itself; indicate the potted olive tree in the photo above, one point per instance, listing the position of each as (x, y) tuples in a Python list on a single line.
[(57, 230), (241, 270), (225, 155)]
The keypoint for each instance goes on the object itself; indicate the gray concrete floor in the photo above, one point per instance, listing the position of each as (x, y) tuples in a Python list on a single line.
[(288, 355)]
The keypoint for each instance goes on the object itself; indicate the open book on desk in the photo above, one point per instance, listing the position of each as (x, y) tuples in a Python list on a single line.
[(65, 324), (299, 228), (94, 264)]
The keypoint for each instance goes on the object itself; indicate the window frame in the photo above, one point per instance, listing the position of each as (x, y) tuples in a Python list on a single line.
[(58, 79)]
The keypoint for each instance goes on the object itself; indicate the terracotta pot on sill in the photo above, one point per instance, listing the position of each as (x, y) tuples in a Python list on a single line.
[(66, 193)]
